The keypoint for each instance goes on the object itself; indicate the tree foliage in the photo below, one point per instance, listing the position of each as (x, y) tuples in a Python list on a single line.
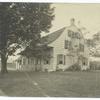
[(22, 23)]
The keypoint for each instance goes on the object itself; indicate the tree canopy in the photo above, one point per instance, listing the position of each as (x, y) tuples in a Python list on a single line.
[(22, 23)]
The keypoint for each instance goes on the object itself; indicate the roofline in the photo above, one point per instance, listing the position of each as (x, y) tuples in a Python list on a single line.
[(55, 31), (65, 27)]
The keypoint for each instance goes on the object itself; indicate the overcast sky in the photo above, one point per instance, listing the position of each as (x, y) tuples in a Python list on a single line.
[(87, 14)]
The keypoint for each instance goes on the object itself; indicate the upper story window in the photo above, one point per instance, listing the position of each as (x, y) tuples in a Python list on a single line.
[(81, 47), (77, 35), (68, 44), (72, 34)]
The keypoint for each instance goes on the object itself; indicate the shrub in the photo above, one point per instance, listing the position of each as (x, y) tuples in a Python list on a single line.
[(74, 67)]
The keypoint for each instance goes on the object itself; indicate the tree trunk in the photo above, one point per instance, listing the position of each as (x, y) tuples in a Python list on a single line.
[(3, 63)]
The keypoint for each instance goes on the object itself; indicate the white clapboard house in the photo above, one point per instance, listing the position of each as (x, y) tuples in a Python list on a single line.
[(58, 50)]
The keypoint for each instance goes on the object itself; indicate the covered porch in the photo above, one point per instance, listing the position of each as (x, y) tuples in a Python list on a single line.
[(38, 59)]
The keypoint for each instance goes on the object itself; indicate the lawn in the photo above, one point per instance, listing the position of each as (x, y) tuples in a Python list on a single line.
[(54, 84)]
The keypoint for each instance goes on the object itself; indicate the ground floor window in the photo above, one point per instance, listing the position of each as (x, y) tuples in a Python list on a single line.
[(24, 61), (38, 61), (20, 61), (61, 59), (28, 60), (46, 61)]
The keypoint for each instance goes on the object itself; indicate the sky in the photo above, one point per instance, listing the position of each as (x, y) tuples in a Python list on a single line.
[(87, 14)]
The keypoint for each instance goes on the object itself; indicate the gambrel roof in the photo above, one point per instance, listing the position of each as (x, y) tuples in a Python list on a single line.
[(53, 36)]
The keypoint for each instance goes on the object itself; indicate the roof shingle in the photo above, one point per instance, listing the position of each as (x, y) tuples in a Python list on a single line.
[(52, 37)]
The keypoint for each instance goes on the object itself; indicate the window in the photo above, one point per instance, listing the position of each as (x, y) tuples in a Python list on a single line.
[(85, 61), (24, 61), (33, 61), (76, 45), (38, 61), (46, 62), (60, 62), (60, 59), (69, 33), (20, 61), (72, 34), (28, 60), (77, 35), (81, 47), (68, 44)]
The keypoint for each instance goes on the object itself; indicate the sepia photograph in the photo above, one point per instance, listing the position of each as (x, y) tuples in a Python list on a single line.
[(49, 49)]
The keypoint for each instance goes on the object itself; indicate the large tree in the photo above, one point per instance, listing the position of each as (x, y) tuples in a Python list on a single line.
[(22, 23)]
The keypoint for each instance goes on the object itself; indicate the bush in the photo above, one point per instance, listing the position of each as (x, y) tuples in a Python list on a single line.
[(74, 67)]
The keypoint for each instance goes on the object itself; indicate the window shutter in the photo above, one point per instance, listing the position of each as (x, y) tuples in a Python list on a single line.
[(70, 45), (66, 44)]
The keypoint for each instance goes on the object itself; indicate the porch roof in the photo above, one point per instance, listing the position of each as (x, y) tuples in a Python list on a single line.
[(37, 51)]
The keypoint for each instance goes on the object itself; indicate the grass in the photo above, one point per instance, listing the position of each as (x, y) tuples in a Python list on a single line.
[(54, 84)]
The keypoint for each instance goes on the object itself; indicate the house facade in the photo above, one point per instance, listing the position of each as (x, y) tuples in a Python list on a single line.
[(59, 50)]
